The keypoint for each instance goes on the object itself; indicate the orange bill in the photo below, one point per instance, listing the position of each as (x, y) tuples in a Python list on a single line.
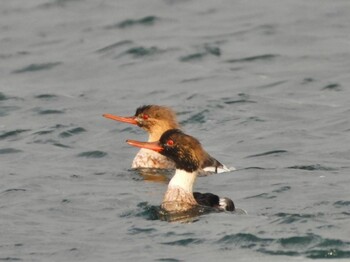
[(129, 119), (155, 146)]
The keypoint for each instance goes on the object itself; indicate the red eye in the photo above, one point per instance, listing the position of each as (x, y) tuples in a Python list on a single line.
[(145, 117), (170, 142)]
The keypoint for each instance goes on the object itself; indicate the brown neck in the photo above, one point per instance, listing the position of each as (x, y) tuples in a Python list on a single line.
[(156, 131)]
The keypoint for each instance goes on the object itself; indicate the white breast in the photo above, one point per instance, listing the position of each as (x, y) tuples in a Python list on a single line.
[(146, 158)]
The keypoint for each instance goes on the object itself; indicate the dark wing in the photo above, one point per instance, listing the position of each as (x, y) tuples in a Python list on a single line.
[(210, 161), (211, 200), (206, 199)]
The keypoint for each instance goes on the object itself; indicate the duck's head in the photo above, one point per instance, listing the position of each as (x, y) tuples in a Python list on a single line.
[(185, 150), (152, 118)]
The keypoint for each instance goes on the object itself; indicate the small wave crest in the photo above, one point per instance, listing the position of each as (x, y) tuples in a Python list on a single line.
[(309, 245)]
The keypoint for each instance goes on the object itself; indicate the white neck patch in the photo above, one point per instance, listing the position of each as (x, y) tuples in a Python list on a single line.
[(183, 179)]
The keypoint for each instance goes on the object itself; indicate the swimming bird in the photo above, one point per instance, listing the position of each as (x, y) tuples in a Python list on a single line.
[(156, 120), (188, 156)]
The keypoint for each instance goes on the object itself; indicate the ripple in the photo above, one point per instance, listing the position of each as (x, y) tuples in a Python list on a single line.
[(213, 50), (307, 80), (273, 152), (13, 133), (313, 167), (184, 242), (263, 196), (50, 111), (192, 57), (286, 218), (330, 253), (14, 190), (46, 96), (252, 119), (52, 142), (196, 118), (99, 173), (149, 212), (61, 145), (279, 252), (309, 245), (239, 101), (333, 87), (253, 58), (10, 259), (168, 259), (204, 51), (298, 241), (137, 52), (113, 46), (57, 3), (244, 240), (342, 203), (51, 129), (9, 150), (72, 132), (3, 97), (253, 167), (139, 230), (194, 79), (44, 132), (243, 98), (4, 110), (282, 189), (128, 130), (145, 21), (36, 67), (12, 55), (272, 84), (93, 154)]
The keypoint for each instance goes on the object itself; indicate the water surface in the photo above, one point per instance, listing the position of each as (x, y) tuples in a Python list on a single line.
[(263, 85)]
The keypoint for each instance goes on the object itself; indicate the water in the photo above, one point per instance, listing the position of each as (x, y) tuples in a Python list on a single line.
[(263, 85)]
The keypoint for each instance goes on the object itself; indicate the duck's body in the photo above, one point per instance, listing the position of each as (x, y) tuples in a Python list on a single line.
[(156, 120), (188, 156), (146, 158), (180, 190)]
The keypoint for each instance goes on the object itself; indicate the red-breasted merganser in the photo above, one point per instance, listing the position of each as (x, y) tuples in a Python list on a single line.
[(156, 120), (188, 156)]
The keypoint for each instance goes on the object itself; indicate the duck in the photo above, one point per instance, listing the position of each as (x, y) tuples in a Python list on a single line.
[(188, 156), (155, 120)]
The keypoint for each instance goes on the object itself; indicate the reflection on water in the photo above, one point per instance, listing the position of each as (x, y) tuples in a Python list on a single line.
[(151, 212), (188, 216), (154, 174)]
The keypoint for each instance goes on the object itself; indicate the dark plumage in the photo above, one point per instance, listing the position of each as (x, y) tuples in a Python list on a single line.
[(187, 152)]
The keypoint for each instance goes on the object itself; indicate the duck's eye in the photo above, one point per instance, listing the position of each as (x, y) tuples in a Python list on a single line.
[(145, 117), (170, 142)]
